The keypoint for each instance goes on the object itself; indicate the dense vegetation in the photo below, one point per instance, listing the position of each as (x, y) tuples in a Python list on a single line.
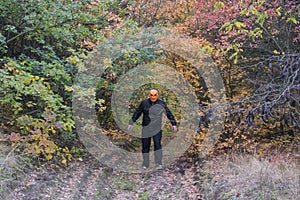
[(44, 44)]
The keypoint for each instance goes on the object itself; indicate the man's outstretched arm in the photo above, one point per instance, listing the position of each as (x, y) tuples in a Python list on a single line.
[(171, 117), (135, 116)]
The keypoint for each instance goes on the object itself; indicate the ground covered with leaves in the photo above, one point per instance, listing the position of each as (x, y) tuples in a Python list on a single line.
[(90, 180), (223, 176)]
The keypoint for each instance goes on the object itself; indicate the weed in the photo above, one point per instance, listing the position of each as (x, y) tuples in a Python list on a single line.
[(143, 196), (247, 177), (11, 170), (123, 184)]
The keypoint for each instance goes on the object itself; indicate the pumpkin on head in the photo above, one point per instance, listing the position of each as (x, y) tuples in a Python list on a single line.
[(153, 95)]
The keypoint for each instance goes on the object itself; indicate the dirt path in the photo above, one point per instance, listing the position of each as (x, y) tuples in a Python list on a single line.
[(90, 180)]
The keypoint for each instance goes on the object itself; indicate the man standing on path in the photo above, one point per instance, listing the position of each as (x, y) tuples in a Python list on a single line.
[(152, 109)]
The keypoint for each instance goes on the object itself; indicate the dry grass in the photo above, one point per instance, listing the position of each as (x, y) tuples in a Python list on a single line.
[(236, 177), (248, 177), (11, 171)]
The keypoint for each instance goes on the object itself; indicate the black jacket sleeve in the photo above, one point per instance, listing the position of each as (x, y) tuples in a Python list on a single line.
[(170, 116), (136, 114)]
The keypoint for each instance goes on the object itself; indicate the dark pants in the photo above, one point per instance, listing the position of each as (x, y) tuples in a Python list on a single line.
[(146, 143)]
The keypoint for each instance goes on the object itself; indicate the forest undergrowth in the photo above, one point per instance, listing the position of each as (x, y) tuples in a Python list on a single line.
[(221, 176)]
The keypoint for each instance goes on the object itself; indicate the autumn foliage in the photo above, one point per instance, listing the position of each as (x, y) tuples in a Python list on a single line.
[(255, 45)]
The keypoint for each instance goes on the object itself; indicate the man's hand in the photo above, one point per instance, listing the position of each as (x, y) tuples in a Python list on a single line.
[(175, 129), (129, 128)]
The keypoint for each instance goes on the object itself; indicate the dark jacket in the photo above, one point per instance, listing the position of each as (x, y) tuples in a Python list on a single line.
[(152, 113)]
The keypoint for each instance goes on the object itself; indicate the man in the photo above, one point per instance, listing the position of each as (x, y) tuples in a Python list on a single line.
[(152, 109)]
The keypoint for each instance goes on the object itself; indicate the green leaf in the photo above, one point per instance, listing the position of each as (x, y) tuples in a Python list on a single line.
[(218, 6), (292, 19), (225, 25)]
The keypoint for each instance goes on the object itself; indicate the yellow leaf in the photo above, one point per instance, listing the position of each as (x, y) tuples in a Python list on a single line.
[(37, 149), (48, 85), (69, 157), (239, 25), (26, 81), (16, 71), (292, 19), (64, 161), (49, 156), (278, 11), (69, 89), (65, 149)]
